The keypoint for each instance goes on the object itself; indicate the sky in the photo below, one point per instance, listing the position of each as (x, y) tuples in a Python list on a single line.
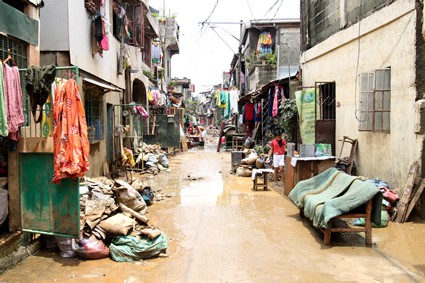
[(206, 50)]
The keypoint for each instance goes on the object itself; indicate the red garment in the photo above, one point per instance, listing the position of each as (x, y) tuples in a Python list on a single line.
[(249, 111), (71, 145), (278, 149), (13, 100)]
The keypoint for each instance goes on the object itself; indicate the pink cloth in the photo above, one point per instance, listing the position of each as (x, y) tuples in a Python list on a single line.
[(13, 97), (275, 110)]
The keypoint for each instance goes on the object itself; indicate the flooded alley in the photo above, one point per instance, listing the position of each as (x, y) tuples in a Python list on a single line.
[(220, 230)]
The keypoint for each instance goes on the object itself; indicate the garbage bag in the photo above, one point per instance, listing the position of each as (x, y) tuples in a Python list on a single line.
[(147, 195), (129, 248), (163, 160), (65, 246), (91, 248), (4, 205)]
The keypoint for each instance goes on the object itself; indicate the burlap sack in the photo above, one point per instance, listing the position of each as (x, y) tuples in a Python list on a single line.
[(119, 224)]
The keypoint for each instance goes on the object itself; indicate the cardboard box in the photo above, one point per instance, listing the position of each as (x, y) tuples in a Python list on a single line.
[(323, 149), (307, 150)]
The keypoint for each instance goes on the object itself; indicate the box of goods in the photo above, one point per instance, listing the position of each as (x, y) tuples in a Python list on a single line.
[(307, 150), (323, 149)]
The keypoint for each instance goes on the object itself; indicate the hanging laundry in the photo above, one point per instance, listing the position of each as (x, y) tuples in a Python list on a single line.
[(38, 86), (70, 141), (13, 95), (249, 111), (275, 110), (3, 111)]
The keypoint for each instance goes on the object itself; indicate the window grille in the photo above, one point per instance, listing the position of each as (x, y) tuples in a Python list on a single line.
[(326, 100), (375, 100), (94, 115)]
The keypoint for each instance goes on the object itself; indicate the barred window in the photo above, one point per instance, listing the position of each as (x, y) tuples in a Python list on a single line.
[(375, 100)]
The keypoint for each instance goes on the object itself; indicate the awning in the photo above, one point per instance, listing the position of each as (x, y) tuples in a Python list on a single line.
[(102, 85)]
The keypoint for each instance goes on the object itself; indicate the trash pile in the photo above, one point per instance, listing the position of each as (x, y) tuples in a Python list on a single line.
[(150, 157), (113, 222), (251, 160)]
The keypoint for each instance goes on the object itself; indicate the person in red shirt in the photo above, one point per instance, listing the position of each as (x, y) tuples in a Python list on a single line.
[(278, 149)]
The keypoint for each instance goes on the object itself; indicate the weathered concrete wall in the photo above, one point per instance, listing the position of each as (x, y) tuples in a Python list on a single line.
[(323, 18), (289, 46), (387, 39)]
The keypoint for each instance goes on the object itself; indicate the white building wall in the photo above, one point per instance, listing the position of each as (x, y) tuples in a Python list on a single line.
[(387, 39)]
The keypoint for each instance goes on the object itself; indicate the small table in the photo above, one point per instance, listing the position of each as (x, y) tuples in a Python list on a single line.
[(301, 168), (255, 176)]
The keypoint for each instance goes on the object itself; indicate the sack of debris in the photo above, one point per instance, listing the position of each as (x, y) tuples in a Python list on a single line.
[(163, 160), (128, 196), (119, 224), (91, 248), (65, 246), (243, 172), (250, 159), (129, 248)]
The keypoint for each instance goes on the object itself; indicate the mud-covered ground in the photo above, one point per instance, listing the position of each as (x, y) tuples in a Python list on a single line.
[(220, 230)]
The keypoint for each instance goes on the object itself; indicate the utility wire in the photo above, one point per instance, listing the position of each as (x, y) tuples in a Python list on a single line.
[(278, 8), (213, 27), (271, 8), (224, 41), (212, 12), (249, 6)]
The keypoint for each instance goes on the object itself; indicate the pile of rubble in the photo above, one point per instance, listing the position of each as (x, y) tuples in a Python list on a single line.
[(113, 222), (251, 160), (150, 157)]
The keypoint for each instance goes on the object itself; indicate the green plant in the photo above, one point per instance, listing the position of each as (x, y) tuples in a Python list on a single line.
[(155, 15), (148, 74), (286, 121), (271, 58)]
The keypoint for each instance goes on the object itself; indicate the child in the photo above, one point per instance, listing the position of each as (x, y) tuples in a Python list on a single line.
[(278, 149)]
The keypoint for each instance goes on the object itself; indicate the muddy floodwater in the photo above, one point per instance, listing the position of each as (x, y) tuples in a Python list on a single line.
[(220, 230)]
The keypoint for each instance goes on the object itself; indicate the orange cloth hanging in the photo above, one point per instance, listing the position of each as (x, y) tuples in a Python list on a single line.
[(71, 145)]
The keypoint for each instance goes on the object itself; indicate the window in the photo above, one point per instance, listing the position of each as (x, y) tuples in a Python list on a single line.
[(128, 23), (375, 100), (94, 115)]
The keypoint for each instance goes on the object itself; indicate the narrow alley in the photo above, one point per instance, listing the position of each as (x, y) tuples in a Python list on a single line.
[(220, 230)]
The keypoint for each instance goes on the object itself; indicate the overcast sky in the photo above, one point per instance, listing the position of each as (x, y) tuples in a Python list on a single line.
[(205, 52)]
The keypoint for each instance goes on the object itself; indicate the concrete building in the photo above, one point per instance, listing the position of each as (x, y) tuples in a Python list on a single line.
[(371, 53), (118, 75)]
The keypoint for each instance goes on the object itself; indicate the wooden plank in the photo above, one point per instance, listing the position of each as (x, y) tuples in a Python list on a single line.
[(415, 199), (36, 145), (407, 192), (14, 192), (184, 144)]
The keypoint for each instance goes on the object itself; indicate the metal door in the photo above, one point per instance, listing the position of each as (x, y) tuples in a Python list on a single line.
[(47, 208)]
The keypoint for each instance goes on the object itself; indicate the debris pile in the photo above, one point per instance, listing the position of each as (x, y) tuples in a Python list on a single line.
[(251, 160), (113, 222)]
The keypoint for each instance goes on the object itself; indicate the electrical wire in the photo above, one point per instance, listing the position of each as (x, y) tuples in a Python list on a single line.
[(356, 110), (271, 8), (277, 10), (249, 6), (223, 40), (210, 15)]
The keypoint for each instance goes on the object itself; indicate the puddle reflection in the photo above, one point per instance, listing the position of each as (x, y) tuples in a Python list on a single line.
[(205, 193)]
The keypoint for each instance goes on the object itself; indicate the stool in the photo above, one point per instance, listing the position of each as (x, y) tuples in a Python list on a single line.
[(256, 173)]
